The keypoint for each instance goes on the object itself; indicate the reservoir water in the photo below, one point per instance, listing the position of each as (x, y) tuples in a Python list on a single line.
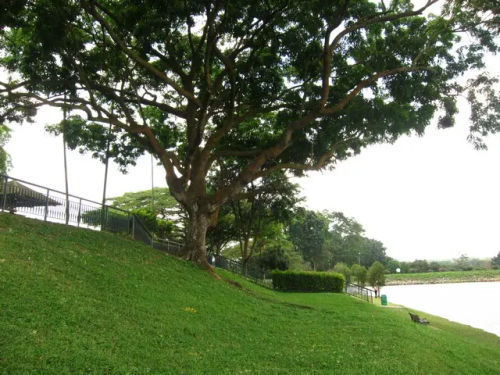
[(474, 304)]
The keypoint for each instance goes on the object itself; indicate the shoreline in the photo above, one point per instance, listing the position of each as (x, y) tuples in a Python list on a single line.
[(440, 281)]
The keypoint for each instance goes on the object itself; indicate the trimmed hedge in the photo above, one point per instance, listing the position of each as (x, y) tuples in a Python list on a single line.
[(308, 281)]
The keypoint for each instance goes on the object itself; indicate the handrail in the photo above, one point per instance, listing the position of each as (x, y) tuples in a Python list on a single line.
[(3, 176), (359, 291), (133, 224)]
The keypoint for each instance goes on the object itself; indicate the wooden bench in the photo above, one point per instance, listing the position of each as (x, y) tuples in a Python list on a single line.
[(415, 318)]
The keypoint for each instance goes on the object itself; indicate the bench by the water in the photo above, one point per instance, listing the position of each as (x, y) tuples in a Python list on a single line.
[(415, 318)]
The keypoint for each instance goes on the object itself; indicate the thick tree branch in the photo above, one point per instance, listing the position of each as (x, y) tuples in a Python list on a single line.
[(382, 17), (136, 57), (251, 171), (365, 83)]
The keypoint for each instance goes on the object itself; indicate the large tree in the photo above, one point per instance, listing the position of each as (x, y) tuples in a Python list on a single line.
[(261, 86)]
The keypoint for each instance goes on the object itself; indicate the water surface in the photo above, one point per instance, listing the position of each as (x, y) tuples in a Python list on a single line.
[(474, 304)]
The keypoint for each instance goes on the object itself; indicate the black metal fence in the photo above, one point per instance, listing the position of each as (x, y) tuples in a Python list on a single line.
[(32, 200), (40, 202), (359, 292), (253, 270)]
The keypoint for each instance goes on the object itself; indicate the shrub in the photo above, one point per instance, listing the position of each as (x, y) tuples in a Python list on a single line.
[(359, 272), (273, 259), (344, 270), (376, 274), (308, 281)]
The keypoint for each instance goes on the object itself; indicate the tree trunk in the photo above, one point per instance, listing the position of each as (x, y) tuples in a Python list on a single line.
[(244, 264), (194, 247)]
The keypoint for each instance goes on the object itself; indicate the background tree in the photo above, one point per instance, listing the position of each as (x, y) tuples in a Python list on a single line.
[(418, 265), (308, 232), (346, 241), (274, 258), (495, 261), (4, 156), (359, 273), (218, 237), (260, 213), (344, 270), (282, 85), (372, 251), (376, 275), (167, 218), (165, 205), (392, 264), (463, 263)]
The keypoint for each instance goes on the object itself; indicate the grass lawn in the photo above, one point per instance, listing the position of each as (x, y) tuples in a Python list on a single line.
[(75, 301), (443, 277)]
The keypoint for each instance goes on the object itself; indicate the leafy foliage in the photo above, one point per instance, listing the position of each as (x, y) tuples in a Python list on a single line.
[(99, 141), (244, 89), (259, 216), (308, 232), (308, 281), (328, 238), (359, 273), (343, 269), (160, 228), (495, 261), (273, 259), (162, 213), (4, 156), (376, 274)]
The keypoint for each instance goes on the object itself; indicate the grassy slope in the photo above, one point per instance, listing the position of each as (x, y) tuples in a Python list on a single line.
[(76, 301), (443, 277)]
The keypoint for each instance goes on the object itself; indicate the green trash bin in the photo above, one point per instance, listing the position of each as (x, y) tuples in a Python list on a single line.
[(383, 299)]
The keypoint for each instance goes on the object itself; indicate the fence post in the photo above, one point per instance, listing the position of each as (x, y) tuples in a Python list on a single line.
[(79, 212), (133, 227), (4, 201), (45, 215)]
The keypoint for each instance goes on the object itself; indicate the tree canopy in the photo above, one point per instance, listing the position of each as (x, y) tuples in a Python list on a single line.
[(245, 87)]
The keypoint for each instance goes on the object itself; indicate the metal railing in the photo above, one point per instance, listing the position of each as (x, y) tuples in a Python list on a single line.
[(359, 292), (32, 200), (141, 233), (40, 202)]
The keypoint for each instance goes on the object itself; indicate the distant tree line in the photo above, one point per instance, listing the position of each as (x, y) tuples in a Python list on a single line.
[(463, 263), (266, 227)]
